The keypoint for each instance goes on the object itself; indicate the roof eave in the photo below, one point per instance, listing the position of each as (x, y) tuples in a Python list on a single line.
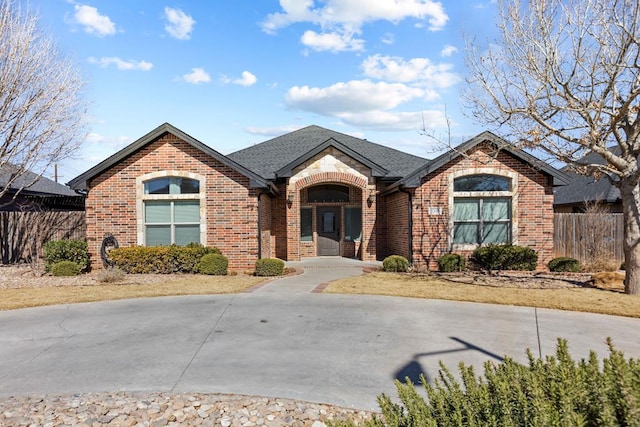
[(287, 170), (80, 182)]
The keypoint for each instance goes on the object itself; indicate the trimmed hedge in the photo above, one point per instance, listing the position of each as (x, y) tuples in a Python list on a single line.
[(504, 257), (269, 267), (214, 264), (160, 259), (561, 264), (66, 250), (452, 262), (395, 263), (554, 391), (65, 268)]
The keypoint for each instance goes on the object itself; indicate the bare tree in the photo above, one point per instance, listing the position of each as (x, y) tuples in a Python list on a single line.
[(564, 77), (42, 112)]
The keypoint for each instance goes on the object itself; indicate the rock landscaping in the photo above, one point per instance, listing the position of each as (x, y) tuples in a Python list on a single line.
[(168, 409)]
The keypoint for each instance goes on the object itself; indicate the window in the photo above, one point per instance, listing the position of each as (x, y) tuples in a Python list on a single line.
[(481, 220), (352, 223), (328, 193), (170, 211), (306, 224), (482, 207)]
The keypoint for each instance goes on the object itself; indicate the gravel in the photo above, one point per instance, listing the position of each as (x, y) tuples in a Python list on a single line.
[(168, 409)]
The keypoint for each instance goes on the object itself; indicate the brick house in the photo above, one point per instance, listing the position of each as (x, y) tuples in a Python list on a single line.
[(316, 192)]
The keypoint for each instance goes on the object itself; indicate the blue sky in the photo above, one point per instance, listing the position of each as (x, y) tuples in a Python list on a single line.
[(237, 72)]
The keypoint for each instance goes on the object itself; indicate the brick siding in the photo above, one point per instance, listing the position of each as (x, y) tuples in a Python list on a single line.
[(231, 206)]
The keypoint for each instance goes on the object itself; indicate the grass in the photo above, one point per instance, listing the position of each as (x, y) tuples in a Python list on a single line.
[(11, 299), (589, 300)]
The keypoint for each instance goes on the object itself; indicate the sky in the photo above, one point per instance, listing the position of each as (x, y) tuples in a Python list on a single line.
[(233, 73)]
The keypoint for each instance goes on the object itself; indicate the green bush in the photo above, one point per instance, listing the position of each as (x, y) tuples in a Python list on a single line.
[(452, 262), (269, 267), (65, 268), (215, 264), (560, 264), (66, 250), (160, 259), (504, 257), (395, 263), (555, 391)]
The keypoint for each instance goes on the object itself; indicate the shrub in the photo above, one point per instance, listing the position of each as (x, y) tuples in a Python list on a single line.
[(555, 391), (452, 262), (110, 275), (504, 257), (269, 267), (564, 264), (395, 263), (160, 259), (65, 268), (215, 264), (66, 250), (601, 264)]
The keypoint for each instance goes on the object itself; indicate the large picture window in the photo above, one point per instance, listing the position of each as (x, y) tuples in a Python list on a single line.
[(482, 210), (480, 221), (171, 211)]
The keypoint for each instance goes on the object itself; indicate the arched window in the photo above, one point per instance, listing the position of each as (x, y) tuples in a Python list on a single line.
[(328, 193), (482, 210), (171, 211)]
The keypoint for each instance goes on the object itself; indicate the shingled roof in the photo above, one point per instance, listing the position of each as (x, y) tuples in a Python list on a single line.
[(587, 189), (269, 157), (33, 185)]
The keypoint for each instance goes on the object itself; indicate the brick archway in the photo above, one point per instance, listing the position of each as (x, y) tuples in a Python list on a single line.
[(362, 248), (332, 177)]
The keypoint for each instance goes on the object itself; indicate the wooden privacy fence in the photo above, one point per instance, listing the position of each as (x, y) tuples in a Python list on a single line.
[(588, 237), (23, 234)]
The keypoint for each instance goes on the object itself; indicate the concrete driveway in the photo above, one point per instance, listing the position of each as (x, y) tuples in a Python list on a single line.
[(281, 341)]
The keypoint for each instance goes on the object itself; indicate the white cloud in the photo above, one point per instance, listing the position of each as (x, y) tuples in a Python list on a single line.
[(271, 131), (448, 50), (332, 42), (351, 97), (121, 64), (395, 121), (92, 21), (247, 79), (332, 12), (196, 76), (418, 71), (341, 19), (180, 24), (112, 142), (388, 38)]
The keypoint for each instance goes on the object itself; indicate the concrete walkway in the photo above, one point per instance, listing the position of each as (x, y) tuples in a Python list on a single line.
[(279, 341), (316, 272)]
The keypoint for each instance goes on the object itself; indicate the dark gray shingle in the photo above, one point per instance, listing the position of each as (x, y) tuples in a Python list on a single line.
[(272, 155)]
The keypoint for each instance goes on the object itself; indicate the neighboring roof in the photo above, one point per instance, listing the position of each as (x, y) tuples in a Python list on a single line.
[(414, 179), (583, 188), (279, 155), (41, 187), (80, 182)]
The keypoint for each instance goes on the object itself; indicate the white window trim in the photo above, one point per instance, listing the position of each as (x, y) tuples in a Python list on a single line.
[(141, 198), (513, 194)]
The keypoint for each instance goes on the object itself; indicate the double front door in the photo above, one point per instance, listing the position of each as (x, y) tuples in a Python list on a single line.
[(328, 228)]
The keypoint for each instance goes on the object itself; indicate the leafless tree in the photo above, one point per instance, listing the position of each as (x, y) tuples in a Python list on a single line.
[(563, 77), (42, 110)]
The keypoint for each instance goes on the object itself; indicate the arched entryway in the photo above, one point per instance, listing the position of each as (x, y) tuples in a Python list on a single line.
[(333, 212)]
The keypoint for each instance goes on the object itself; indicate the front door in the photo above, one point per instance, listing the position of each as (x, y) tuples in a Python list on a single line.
[(328, 221)]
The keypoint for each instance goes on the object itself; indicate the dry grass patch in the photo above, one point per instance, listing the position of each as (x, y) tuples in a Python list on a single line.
[(173, 285), (575, 298)]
